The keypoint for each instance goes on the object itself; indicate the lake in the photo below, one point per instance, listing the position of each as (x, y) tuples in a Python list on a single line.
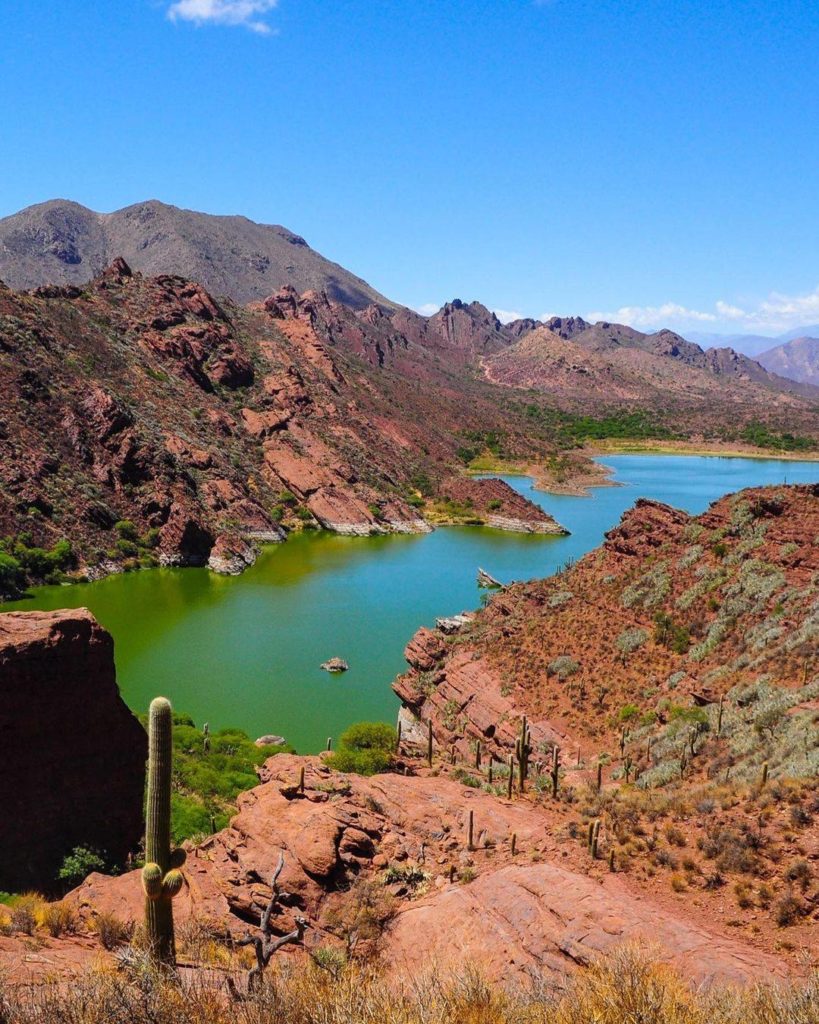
[(245, 651)]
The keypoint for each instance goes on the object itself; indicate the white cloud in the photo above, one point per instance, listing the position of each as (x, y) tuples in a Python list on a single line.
[(247, 13), (775, 314), (652, 316), (428, 308), (506, 316)]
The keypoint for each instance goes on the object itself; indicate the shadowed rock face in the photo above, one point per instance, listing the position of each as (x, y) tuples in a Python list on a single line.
[(73, 755)]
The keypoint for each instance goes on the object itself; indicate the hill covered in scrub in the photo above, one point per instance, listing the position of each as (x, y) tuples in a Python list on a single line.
[(145, 422), (575, 362), (681, 658), (563, 365)]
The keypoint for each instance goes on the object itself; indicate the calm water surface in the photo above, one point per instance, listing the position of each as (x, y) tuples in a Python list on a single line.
[(245, 651)]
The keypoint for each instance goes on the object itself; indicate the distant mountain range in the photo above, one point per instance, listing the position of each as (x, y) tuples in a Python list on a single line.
[(793, 354), (575, 365), (575, 361), (751, 344), (797, 359), (64, 243)]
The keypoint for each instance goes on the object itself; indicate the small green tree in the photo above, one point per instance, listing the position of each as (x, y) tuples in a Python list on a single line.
[(78, 865)]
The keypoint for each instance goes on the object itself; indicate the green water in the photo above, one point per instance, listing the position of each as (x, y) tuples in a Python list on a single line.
[(246, 650)]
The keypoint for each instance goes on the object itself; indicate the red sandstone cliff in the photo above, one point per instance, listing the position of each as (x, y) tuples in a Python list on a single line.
[(73, 756)]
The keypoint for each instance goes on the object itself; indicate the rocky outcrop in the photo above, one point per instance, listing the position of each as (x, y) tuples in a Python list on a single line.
[(500, 506), (73, 760), (532, 911)]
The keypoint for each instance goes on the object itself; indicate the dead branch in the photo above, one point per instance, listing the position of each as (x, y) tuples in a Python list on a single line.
[(265, 945)]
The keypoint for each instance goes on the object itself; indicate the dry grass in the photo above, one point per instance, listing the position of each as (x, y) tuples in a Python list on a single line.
[(629, 987)]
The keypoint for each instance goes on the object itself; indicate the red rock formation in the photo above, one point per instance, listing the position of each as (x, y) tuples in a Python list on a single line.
[(535, 911), (499, 505), (73, 755)]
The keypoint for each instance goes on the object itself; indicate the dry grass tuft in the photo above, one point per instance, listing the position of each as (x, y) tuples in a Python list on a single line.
[(629, 987)]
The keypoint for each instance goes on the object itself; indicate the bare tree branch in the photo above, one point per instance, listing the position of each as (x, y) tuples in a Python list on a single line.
[(265, 945)]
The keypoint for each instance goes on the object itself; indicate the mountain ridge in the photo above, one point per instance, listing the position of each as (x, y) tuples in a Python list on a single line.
[(62, 242), (797, 359)]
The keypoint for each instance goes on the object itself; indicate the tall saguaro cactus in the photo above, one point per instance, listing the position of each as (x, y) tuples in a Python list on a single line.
[(161, 877)]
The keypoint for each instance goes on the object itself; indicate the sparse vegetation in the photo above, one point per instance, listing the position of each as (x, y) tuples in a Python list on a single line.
[(629, 986)]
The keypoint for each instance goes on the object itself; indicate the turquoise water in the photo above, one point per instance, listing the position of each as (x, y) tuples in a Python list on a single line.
[(246, 650)]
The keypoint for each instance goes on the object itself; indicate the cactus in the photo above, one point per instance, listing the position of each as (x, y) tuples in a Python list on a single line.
[(470, 833), (595, 836), (453, 753), (514, 843), (301, 779), (206, 738), (627, 768), (555, 773), (329, 742), (398, 738), (523, 748), (612, 865), (719, 715), (623, 741), (161, 877), (478, 755), (511, 778), (589, 835), (764, 773), (489, 773), (599, 776), (429, 742)]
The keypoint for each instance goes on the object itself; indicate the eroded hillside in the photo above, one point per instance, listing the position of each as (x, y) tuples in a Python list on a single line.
[(143, 421)]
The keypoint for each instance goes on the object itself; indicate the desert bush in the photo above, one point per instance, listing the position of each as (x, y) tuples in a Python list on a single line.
[(787, 911), (630, 986), (801, 873), (59, 918), (563, 666), (113, 931), (365, 749)]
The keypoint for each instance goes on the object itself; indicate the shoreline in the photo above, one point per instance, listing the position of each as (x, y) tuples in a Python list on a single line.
[(579, 485), (724, 450), (595, 474)]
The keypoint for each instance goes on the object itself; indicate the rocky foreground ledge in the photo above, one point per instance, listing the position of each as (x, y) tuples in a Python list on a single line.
[(348, 839)]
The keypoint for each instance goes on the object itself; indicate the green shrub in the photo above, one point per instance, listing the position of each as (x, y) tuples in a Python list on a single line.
[(126, 529), (22, 561), (207, 778), (78, 865), (11, 574), (365, 748)]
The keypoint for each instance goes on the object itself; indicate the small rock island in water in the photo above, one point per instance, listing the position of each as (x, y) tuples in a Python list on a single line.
[(335, 665)]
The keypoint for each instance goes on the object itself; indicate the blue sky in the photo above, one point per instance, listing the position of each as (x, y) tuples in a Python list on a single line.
[(651, 161)]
